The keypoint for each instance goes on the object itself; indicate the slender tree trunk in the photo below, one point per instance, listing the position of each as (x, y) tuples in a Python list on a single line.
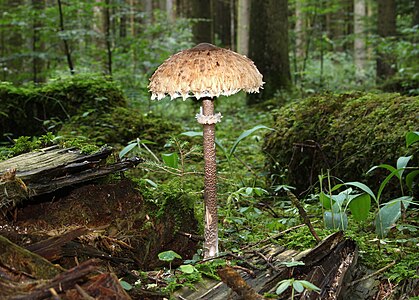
[(148, 9), (269, 46), (107, 36), (203, 28), (359, 41), (170, 9), (300, 30), (386, 27), (416, 13), (37, 43), (65, 42), (243, 21)]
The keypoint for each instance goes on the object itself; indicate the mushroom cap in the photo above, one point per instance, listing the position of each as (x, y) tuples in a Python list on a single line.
[(205, 71)]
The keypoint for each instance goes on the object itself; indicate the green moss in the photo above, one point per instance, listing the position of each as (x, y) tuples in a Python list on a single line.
[(29, 110), (119, 126), (347, 133)]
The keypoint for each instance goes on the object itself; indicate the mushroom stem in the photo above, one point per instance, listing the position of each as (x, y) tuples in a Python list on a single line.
[(210, 183)]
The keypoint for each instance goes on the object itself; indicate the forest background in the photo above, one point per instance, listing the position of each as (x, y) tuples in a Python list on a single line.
[(311, 45)]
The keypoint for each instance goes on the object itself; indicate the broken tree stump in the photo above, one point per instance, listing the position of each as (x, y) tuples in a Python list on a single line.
[(49, 169)]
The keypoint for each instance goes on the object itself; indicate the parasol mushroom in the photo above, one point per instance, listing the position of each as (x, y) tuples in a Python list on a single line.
[(205, 72)]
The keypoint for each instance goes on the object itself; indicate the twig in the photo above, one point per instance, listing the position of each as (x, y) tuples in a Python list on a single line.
[(83, 293), (274, 237), (194, 237), (267, 260), (303, 215), (373, 274)]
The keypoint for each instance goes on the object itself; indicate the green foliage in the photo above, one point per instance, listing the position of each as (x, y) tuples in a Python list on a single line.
[(24, 144), (346, 133), (296, 286)]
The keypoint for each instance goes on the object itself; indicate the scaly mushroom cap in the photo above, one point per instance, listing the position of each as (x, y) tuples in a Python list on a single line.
[(205, 71)]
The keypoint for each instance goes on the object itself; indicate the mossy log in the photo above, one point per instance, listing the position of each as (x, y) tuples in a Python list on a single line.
[(49, 169)]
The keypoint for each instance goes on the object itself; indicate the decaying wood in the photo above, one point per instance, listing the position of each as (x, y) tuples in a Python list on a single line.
[(234, 281), (325, 266), (20, 261), (50, 169), (51, 248), (27, 276), (303, 214)]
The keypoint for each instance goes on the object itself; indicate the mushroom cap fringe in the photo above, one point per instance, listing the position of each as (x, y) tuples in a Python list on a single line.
[(205, 71)]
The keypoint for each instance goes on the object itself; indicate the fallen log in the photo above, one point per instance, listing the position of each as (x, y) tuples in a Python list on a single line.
[(50, 169)]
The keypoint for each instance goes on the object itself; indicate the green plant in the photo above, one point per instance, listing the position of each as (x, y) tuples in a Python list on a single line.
[(296, 286), (359, 204)]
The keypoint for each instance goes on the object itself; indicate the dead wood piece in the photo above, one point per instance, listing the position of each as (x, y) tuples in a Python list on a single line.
[(23, 262), (102, 286), (303, 215), (234, 281), (50, 169), (51, 248), (60, 283)]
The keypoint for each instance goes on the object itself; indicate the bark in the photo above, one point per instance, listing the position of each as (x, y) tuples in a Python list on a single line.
[(359, 41), (210, 183), (386, 27), (222, 22), (37, 43), (65, 42), (300, 30), (203, 28), (243, 22), (170, 10), (107, 36), (416, 14), (269, 46)]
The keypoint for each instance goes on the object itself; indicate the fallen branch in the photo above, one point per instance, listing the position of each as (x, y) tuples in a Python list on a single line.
[(234, 281), (303, 215), (373, 274)]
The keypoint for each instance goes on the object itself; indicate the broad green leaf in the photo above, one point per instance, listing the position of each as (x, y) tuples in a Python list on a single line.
[(360, 207), (283, 285), (402, 162), (384, 183), (325, 200), (389, 214), (362, 187), (125, 285), (188, 269), (383, 166), (168, 255), (298, 286), (410, 178), (171, 160), (412, 137), (127, 149), (246, 134), (338, 220), (309, 286)]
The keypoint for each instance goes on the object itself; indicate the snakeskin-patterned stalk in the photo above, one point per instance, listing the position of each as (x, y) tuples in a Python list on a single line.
[(210, 182)]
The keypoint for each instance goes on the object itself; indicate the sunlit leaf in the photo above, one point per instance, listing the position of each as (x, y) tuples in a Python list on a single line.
[(188, 269), (127, 149), (298, 286), (168, 255)]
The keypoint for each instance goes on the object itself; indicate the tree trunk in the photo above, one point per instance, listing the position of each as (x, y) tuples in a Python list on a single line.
[(170, 10), (203, 28), (416, 14), (243, 21), (300, 30), (37, 43), (66, 46), (386, 27), (359, 41), (268, 46), (107, 36)]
